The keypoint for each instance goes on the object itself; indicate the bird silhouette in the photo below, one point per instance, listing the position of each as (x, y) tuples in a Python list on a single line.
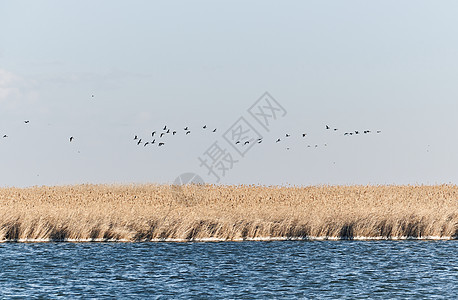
[(327, 127), (259, 141), (71, 139), (205, 126), (145, 144), (186, 128), (356, 132), (214, 130), (379, 131), (304, 134), (165, 127), (162, 134), (278, 140), (26, 121), (139, 142), (174, 132), (238, 142), (161, 144), (188, 132), (135, 138), (246, 143), (335, 129), (153, 133), (5, 136), (168, 130), (287, 135), (154, 141)]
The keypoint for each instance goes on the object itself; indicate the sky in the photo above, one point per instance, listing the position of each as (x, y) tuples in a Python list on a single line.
[(105, 71)]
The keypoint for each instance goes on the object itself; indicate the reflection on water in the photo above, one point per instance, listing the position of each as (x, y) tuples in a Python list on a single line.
[(318, 269)]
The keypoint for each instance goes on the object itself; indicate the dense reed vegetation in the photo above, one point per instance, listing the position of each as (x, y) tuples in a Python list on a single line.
[(206, 212)]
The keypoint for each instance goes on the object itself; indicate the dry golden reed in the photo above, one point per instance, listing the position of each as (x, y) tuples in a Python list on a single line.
[(218, 212)]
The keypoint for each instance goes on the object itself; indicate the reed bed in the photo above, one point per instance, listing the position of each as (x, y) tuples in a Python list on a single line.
[(227, 213)]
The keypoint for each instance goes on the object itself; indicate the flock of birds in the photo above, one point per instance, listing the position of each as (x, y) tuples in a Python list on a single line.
[(156, 136)]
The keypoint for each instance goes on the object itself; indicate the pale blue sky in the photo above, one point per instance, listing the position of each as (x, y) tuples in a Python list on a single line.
[(355, 65)]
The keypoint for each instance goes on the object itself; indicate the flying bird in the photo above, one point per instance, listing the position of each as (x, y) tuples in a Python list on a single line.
[(135, 138), (165, 127), (327, 127), (71, 139), (154, 141), (145, 144), (304, 134), (186, 128), (246, 143), (277, 141), (259, 141), (162, 134), (188, 132), (26, 121), (238, 142), (161, 144), (5, 136), (214, 130), (174, 132), (139, 142), (153, 133), (288, 135), (205, 126), (378, 131)]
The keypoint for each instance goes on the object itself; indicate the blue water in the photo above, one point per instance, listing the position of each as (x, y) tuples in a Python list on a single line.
[(248, 270)]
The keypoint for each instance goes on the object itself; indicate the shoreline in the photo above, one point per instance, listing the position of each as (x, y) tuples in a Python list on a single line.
[(257, 239)]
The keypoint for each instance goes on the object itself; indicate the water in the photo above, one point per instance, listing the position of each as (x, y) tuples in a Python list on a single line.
[(248, 270)]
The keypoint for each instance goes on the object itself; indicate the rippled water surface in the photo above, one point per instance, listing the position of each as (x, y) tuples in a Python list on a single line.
[(318, 269)]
